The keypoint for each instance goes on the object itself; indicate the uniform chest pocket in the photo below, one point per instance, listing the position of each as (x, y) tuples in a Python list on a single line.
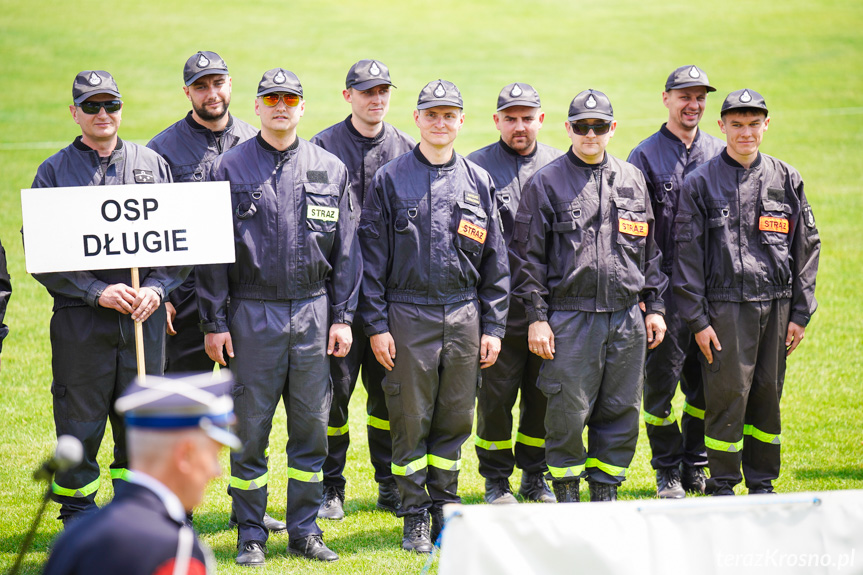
[(717, 214), (632, 226), (566, 219), (774, 222), (472, 227), (245, 199), (663, 189), (188, 173), (322, 207)]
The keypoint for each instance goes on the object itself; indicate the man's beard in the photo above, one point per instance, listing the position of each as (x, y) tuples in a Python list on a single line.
[(208, 116)]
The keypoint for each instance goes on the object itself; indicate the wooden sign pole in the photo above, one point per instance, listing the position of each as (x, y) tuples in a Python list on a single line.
[(139, 332)]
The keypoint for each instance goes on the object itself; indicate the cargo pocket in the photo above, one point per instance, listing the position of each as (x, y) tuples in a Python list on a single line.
[(322, 207), (555, 415), (521, 230), (61, 410), (472, 228), (683, 227), (632, 224)]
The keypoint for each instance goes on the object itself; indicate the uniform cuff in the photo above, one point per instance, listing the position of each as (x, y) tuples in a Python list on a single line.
[(534, 315), (376, 327), (213, 326), (342, 316), (699, 324), (494, 330), (94, 292), (800, 319)]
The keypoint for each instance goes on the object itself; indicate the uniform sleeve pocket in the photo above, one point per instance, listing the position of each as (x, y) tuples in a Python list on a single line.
[(521, 231), (683, 227), (369, 224)]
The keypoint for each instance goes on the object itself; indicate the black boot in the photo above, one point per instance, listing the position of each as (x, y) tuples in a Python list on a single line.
[(566, 491), (332, 504), (251, 553), (416, 533), (534, 488), (389, 498), (311, 547), (693, 478), (668, 484), (498, 491), (602, 491)]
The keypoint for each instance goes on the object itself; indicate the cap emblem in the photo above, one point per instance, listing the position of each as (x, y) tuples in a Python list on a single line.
[(745, 96), (591, 102), (439, 92), (94, 79), (516, 91), (202, 62), (374, 70), (280, 78), (694, 73)]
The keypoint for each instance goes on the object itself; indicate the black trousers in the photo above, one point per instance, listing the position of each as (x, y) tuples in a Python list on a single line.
[(430, 395), (515, 370), (743, 387), (94, 361), (344, 372), (674, 360), (280, 352)]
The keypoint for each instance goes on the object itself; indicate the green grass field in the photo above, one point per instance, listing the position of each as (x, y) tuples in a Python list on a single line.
[(804, 57)]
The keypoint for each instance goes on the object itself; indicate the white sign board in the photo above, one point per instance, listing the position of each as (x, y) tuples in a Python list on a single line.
[(744, 535), (112, 227)]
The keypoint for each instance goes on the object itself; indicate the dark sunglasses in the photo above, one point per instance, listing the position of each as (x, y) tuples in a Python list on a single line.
[(270, 100), (582, 128), (92, 108)]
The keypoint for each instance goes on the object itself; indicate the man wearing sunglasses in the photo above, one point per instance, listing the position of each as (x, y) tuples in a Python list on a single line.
[(92, 330), (665, 158), (282, 308), (364, 142), (190, 146), (744, 275), (511, 161), (584, 257), (435, 291)]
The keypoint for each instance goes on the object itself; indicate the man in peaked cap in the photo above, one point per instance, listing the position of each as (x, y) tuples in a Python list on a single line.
[(190, 146), (175, 429), (435, 291), (583, 258), (285, 305), (744, 277), (92, 329), (666, 158), (511, 161), (364, 142)]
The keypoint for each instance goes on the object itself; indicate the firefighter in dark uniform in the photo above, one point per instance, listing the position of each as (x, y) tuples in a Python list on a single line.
[(92, 329), (364, 142), (511, 161), (435, 291), (176, 429), (288, 301), (583, 258), (5, 294), (190, 146), (744, 277), (666, 158)]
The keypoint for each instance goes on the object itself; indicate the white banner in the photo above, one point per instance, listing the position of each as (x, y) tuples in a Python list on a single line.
[(112, 227), (802, 533)]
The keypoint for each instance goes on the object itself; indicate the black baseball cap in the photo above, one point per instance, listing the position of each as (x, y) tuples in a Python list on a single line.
[(203, 64), (91, 82), (367, 74), (439, 93), (686, 77), (590, 104), (280, 80), (744, 98), (518, 94)]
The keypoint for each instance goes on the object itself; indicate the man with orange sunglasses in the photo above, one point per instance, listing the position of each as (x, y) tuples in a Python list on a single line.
[(284, 306)]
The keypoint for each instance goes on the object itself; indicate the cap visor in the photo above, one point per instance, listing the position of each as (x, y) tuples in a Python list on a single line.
[(282, 89), (436, 103), (210, 72), (590, 115), (223, 436), (88, 95), (690, 85), (371, 84), (525, 103)]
